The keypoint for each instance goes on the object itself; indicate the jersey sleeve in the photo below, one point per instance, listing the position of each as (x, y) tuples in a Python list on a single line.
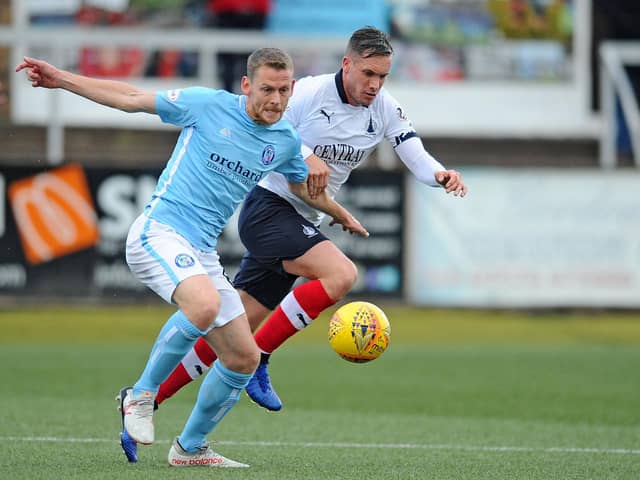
[(295, 170), (419, 161), (398, 126), (407, 144), (182, 107)]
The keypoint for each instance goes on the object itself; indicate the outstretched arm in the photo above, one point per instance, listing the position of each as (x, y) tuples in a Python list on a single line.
[(427, 169), (329, 206), (111, 93)]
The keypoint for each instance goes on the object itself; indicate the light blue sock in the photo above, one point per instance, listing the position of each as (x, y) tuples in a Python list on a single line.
[(220, 391), (175, 339)]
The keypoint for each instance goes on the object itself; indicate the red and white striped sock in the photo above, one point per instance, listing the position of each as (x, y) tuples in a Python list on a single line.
[(193, 365), (296, 311)]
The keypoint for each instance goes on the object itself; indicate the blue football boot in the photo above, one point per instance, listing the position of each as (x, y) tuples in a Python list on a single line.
[(260, 390)]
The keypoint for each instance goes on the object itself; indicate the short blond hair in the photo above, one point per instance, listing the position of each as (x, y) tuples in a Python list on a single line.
[(270, 57)]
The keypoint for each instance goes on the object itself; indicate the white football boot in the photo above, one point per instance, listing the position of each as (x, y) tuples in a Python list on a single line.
[(137, 414), (204, 457)]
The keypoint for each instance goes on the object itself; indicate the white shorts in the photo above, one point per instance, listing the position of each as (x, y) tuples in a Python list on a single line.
[(161, 258)]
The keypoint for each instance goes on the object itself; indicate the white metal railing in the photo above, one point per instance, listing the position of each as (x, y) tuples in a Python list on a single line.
[(207, 43), (615, 83)]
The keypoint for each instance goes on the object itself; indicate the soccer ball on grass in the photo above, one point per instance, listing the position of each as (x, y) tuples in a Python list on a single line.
[(359, 332)]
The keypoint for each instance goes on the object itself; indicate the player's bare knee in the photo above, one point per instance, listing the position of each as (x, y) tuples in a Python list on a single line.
[(243, 362), (253, 360), (343, 279), (202, 313), (351, 276)]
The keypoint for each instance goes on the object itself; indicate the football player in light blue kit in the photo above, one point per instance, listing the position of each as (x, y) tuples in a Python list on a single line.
[(227, 144)]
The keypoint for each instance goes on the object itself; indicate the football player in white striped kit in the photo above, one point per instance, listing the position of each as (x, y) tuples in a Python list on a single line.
[(341, 119)]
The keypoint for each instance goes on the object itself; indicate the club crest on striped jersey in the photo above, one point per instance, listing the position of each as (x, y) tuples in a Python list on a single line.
[(184, 260), (268, 154)]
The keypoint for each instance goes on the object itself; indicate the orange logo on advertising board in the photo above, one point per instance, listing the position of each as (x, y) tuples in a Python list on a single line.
[(54, 213)]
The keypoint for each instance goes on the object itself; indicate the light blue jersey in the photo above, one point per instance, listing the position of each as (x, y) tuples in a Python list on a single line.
[(220, 155)]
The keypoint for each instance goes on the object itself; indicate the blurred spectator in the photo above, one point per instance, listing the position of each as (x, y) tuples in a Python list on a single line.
[(108, 61), (168, 13), (532, 18), (111, 62), (91, 14), (172, 63), (235, 14)]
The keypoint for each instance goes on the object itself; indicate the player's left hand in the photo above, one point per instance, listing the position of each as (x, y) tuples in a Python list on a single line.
[(318, 175), (350, 224), (451, 180)]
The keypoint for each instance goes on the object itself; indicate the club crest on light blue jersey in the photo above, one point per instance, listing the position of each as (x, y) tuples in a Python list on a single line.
[(173, 95), (184, 260), (268, 154)]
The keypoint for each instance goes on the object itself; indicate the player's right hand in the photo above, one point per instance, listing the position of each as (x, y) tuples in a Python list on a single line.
[(39, 73), (318, 175)]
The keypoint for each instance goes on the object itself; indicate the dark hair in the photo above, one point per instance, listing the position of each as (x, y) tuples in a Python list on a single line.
[(369, 42), (271, 57)]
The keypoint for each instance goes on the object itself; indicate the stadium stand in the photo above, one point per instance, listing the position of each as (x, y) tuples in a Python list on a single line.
[(426, 52)]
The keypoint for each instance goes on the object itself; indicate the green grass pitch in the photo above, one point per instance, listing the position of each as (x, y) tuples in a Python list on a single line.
[(458, 395)]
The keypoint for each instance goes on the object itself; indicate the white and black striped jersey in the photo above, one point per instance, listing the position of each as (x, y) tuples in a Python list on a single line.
[(344, 135)]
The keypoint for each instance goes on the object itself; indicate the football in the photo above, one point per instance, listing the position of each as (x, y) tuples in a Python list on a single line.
[(359, 332)]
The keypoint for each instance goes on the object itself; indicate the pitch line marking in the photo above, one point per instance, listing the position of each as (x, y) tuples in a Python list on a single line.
[(402, 446)]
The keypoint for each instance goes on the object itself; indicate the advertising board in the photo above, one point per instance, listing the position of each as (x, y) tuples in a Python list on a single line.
[(63, 231)]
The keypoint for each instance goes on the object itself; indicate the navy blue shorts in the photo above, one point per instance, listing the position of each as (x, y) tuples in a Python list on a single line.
[(271, 231)]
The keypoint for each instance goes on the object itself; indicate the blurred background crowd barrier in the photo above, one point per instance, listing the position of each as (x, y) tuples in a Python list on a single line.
[(515, 93)]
